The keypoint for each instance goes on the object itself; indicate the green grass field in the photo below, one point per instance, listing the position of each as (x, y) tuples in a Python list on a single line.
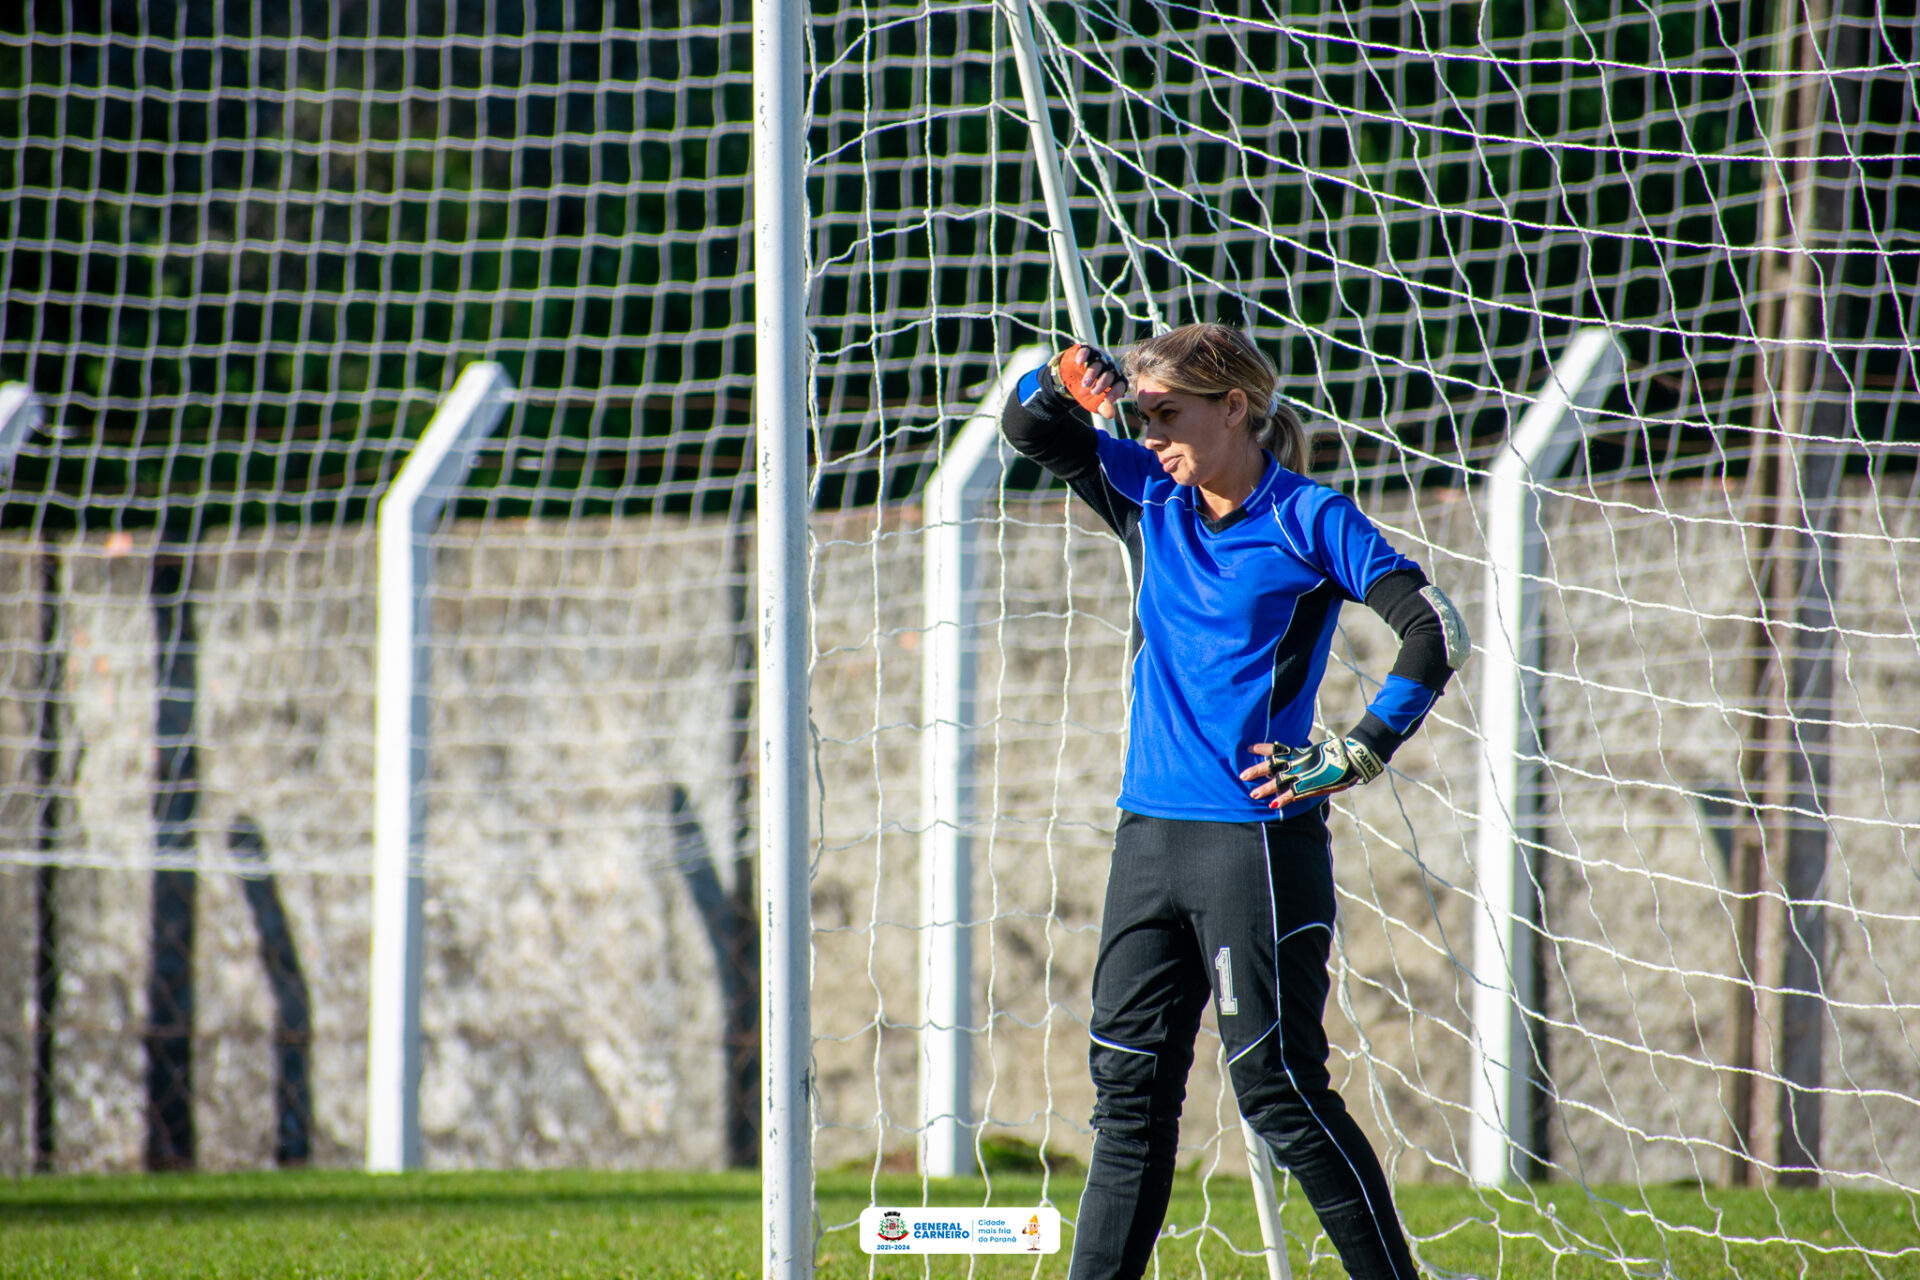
[(586, 1224)]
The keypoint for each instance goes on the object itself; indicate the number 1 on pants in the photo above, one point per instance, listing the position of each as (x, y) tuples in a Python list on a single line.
[(1223, 965)]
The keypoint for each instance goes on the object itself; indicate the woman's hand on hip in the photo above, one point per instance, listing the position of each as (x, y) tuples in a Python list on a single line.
[(1288, 773)]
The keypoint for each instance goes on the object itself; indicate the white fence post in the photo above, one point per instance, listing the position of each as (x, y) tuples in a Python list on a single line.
[(1506, 993), (430, 477), (20, 417), (969, 471)]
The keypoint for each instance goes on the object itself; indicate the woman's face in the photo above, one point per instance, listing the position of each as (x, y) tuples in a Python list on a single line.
[(1197, 438)]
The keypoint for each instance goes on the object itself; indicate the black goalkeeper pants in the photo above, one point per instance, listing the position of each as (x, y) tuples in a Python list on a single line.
[(1242, 914)]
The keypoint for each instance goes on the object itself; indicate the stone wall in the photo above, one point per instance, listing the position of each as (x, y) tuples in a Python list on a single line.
[(569, 1014), (584, 669)]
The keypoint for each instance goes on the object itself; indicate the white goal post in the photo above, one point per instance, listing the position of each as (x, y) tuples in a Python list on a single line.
[(782, 389)]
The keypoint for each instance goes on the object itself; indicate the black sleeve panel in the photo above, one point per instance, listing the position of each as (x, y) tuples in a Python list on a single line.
[(1053, 431), (1397, 597), (1423, 640), (1050, 429), (1373, 733)]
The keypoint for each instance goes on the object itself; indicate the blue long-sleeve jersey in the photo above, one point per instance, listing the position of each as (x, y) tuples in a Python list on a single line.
[(1234, 617)]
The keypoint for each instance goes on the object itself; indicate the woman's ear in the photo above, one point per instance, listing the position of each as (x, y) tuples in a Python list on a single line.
[(1236, 403)]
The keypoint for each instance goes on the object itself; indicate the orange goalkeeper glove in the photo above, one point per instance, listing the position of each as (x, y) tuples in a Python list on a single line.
[(1089, 376)]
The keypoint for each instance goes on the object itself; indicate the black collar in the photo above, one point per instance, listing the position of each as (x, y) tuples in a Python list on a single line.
[(1220, 524)]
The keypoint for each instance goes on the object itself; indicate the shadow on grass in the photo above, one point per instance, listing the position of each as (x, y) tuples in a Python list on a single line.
[(350, 1194), (180, 1197)]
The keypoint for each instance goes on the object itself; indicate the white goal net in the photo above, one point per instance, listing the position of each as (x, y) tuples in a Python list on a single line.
[(247, 254), (1417, 209)]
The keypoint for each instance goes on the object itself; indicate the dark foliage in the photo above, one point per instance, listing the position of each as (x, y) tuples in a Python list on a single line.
[(247, 246)]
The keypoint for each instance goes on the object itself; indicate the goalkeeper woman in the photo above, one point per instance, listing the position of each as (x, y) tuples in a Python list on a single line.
[(1222, 880)]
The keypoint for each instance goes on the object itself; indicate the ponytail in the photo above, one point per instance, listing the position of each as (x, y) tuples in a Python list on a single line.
[(1280, 433)]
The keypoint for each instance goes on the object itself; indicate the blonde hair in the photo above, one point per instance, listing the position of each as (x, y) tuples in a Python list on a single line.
[(1213, 359)]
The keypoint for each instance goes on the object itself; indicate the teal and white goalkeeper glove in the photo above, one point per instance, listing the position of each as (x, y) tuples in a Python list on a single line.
[(1323, 768)]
